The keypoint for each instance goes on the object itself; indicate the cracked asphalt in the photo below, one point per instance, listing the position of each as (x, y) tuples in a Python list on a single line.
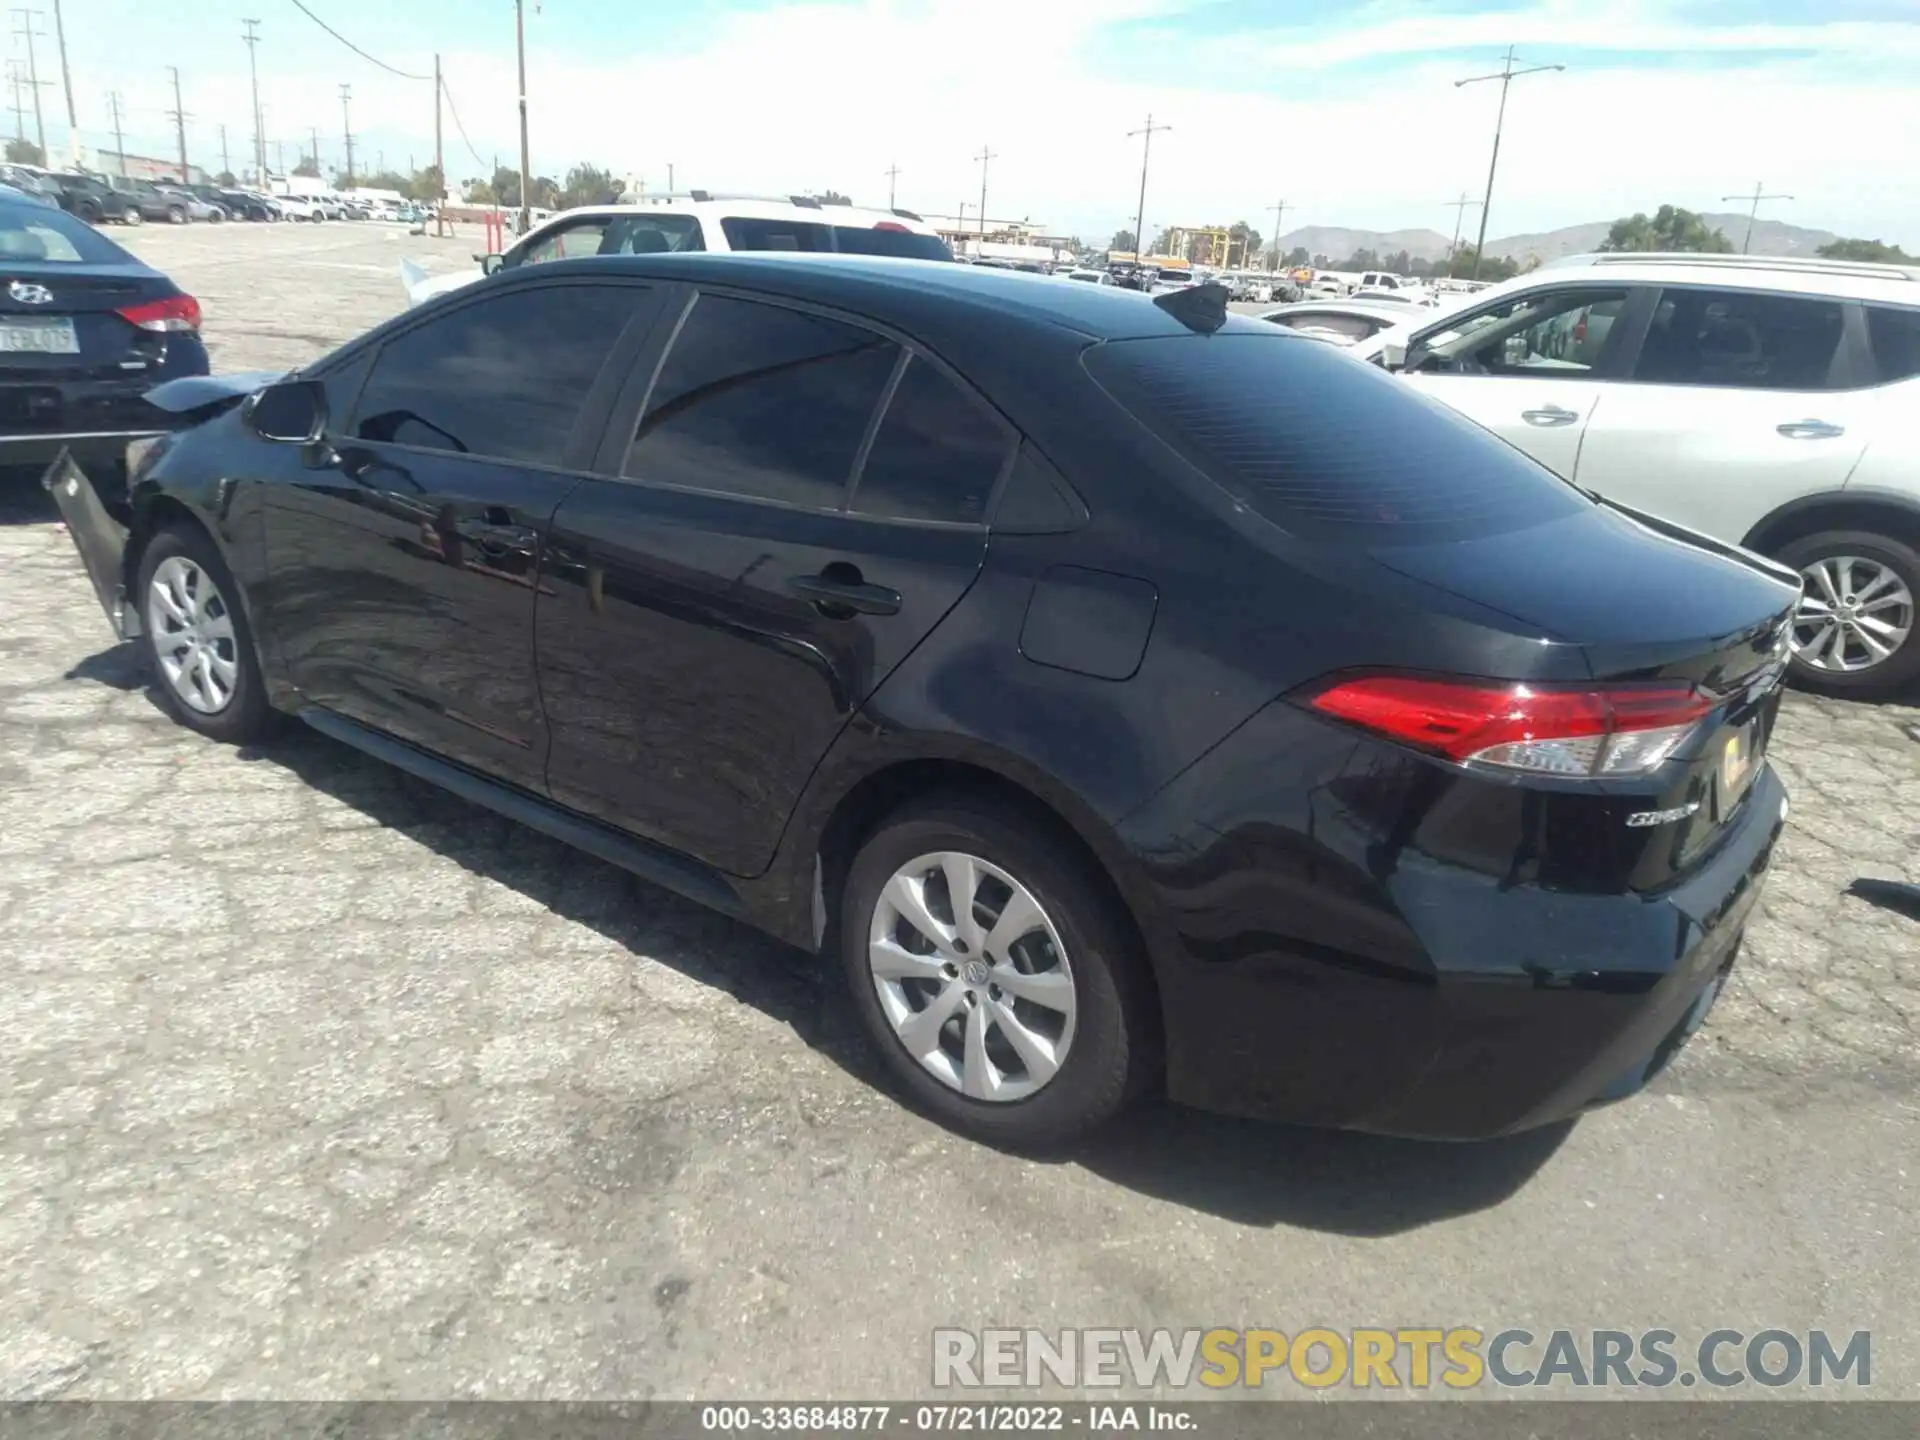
[(316, 1083)]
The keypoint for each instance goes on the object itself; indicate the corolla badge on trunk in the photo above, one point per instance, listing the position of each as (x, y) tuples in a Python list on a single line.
[(28, 293), (1644, 818)]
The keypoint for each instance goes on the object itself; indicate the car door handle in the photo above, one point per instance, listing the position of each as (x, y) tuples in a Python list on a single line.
[(1810, 430), (847, 594), (498, 538), (1549, 416)]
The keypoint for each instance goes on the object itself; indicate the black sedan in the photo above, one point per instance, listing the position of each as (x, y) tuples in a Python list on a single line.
[(85, 331), (1126, 695)]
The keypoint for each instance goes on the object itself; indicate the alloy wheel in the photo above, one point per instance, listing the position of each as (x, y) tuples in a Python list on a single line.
[(1854, 614), (192, 631), (972, 976)]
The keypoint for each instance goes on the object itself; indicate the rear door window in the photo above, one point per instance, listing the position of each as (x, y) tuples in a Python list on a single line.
[(1739, 340), (502, 378), (889, 240), (1324, 447), (763, 402), (1894, 337), (641, 234), (936, 455), (751, 234)]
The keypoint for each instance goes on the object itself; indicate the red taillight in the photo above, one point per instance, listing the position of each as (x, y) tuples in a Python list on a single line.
[(176, 312), (1544, 730)]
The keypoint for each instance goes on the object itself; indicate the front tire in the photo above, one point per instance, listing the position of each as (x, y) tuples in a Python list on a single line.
[(1855, 634), (133, 217), (198, 644), (1021, 1016), (176, 216)]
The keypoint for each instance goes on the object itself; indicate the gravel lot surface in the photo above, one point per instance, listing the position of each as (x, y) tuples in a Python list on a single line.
[(317, 1083)]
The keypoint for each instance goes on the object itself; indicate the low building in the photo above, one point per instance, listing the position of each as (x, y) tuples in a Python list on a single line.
[(147, 167)]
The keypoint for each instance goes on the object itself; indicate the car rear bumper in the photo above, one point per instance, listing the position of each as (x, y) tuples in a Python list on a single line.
[(1317, 965)]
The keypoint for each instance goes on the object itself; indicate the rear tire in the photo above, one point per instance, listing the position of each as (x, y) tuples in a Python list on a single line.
[(133, 217), (1882, 570), (88, 211), (1101, 1045), (177, 216), (196, 639)]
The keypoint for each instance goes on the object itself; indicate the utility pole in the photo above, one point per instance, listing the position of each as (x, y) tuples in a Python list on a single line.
[(670, 177), (66, 79), (19, 107), (1753, 209), (439, 160), (226, 166), (252, 37), (893, 173), (313, 133), (1146, 150), (983, 157), (1506, 76), (26, 29), (179, 125), (119, 141), (346, 125), (1459, 212), (1279, 215), (520, 42)]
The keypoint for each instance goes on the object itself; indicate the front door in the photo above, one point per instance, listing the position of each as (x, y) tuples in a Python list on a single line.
[(403, 569), (711, 620), (1530, 368)]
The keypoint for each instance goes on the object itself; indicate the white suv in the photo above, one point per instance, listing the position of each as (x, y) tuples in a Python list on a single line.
[(1772, 403), (700, 221)]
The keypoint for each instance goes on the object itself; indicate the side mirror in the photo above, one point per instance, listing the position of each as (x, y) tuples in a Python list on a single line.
[(293, 412), (491, 264), (1393, 354)]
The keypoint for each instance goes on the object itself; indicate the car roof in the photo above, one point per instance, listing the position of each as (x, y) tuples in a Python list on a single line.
[(749, 208), (1837, 279), (920, 296)]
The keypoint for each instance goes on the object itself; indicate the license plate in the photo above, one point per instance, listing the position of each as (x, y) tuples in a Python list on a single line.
[(38, 337), (1736, 764)]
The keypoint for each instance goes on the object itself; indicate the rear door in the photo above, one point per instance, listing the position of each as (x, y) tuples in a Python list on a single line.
[(791, 501), (1734, 403), (403, 569), (1529, 367)]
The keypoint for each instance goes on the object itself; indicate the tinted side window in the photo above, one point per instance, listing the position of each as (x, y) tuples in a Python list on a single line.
[(504, 377), (1541, 332), (1726, 338), (937, 453), (879, 240), (745, 234), (761, 401), (1895, 337)]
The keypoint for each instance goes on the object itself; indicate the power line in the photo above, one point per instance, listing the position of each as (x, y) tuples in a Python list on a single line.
[(1754, 210), (370, 59), (454, 111)]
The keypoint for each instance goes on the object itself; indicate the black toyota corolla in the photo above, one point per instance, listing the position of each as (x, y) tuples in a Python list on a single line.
[(1126, 695)]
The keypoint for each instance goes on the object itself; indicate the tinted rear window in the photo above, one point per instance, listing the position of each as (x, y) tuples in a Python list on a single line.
[(1325, 446), (852, 240), (745, 234)]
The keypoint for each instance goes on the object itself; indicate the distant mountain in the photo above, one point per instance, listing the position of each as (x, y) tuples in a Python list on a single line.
[(1770, 237), (1337, 244)]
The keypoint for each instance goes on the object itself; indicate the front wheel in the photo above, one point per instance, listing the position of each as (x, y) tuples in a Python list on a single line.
[(197, 640), (995, 974), (133, 217), (1854, 634), (176, 215)]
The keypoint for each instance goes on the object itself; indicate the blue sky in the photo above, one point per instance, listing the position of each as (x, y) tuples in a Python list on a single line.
[(1346, 110)]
